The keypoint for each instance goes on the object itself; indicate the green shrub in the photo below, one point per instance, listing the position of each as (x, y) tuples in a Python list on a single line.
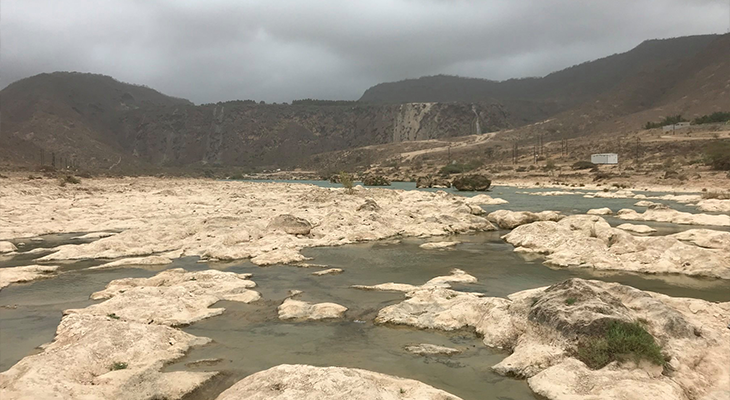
[(619, 341), (459, 168), (570, 301), (671, 120), (715, 117), (718, 156), (117, 365), (347, 181)]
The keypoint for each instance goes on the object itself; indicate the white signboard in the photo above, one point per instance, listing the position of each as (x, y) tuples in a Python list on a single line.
[(604, 158)]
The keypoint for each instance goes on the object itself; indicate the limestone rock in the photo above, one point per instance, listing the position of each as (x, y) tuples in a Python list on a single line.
[(456, 275), (369, 205), (7, 247), (329, 271), (296, 309), (25, 274), (438, 245), (714, 205), (304, 382), (172, 297), (647, 203), (507, 219), (483, 199), (636, 228), (426, 349), (600, 211), (472, 183), (290, 224), (674, 216)]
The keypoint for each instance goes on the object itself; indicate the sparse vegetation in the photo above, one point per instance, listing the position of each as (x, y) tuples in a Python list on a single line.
[(117, 365), (570, 301), (584, 165), (620, 341), (718, 156), (715, 117), (670, 120), (347, 181), (459, 168), (113, 316)]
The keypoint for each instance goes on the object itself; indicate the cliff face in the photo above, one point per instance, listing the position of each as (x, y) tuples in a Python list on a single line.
[(244, 133)]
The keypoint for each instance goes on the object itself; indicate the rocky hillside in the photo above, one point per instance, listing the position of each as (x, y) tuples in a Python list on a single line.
[(535, 99), (97, 122)]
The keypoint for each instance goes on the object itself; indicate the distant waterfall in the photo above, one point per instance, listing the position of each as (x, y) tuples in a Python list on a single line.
[(479, 125)]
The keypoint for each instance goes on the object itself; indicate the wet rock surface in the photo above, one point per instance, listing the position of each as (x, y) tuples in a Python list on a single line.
[(589, 241), (25, 274), (542, 327), (302, 310), (507, 219), (674, 216), (297, 382), (472, 183)]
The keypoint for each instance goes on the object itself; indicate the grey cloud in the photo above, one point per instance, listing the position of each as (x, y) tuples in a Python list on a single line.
[(282, 50)]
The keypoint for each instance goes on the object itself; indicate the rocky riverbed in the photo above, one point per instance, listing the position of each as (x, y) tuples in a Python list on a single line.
[(118, 347)]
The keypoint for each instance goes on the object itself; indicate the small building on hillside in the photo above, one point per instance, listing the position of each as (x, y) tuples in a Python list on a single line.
[(674, 127), (604, 158)]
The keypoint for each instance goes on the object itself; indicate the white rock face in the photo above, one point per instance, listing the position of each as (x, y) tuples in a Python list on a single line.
[(426, 349), (25, 274), (589, 241), (172, 297), (674, 216), (600, 211), (636, 228), (149, 260), (456, 275), (219, 220), (483, 199), (438, 245), (330, 271), (506, 219), (714, 205), (7, 247), (541, 327), (708, 238), (296, 309), (131, 329), (304, 382)]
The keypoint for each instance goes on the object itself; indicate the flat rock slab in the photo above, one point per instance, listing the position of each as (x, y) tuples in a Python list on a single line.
[(25, 274), (425, 349), (635, 228), (438, 245), (302, 310), (600, 211), (304, 382), (330, 271)]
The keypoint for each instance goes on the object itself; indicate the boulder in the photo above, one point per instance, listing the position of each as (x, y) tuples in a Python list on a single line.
[(302, 310), (424, 182), (375, 180), (438, 245), (507, 219), (636, 228), (600, 211), (441, 183), (290, 224), (472, 183), (368, 205), (7, 247), (304, 382)]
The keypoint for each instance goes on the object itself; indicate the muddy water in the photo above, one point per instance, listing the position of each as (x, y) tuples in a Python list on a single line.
[(249, 337)]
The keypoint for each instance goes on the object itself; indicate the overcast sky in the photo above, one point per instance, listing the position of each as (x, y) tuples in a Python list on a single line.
[(217, 50)]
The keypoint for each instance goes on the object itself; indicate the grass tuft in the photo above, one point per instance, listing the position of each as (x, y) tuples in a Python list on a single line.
[(620, 341), (117, 365), (570, 301)]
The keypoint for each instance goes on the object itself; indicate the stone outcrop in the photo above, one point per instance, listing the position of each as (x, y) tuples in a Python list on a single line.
[(290, 224), (600, 211), (674, 216), (634, 228), (226, 220), (329, 271), (25, 274), (7, 247), (117, 348), (471, 183), (456, 276), (714, 205), (375, 180), (507, 219), (304, 382), (486, 200), (543, 327), (426, 349), (302, 310), (589, 241), (438, 245)]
